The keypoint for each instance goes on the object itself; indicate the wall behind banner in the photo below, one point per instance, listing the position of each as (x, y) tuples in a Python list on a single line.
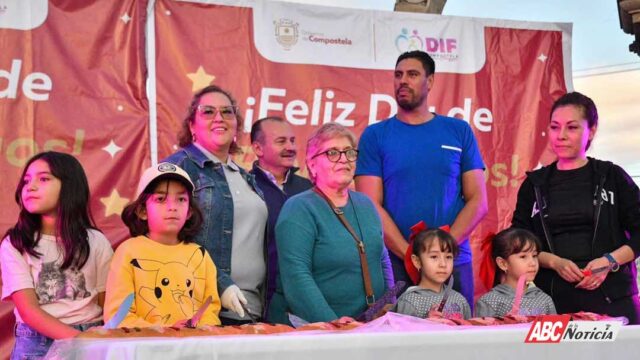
[(75, 82)]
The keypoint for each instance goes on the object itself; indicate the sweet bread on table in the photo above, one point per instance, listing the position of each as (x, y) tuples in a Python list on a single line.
[(160, 331), (344, 323)]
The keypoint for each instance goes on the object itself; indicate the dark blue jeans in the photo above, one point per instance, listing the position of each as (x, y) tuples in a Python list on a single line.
[(30, 344), (462, 276)]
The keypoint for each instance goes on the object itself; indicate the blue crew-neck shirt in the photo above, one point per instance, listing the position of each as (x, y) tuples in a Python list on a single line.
[(421, 167)]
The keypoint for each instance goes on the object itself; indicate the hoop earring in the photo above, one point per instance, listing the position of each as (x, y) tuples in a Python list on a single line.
[(193, 137)]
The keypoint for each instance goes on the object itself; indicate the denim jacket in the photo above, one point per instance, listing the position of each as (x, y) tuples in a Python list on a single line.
[(215, 200)]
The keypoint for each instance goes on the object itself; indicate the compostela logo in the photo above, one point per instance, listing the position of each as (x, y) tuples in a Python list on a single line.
[(286, 32), (438, 48)]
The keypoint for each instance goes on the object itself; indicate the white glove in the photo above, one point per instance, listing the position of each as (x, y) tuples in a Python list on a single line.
[(231, 299)]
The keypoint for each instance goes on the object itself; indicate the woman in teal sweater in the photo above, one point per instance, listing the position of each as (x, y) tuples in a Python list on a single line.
[(320, 271)]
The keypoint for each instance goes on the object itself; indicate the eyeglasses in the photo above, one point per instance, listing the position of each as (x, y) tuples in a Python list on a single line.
[(209, 112), (334, 155)]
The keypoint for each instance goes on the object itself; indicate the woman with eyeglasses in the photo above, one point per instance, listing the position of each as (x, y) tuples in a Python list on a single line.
[(235, 214), (321, 269)]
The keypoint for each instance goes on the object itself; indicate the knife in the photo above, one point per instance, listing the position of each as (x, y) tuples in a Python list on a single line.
[(589, 272), (387, 298), (297, 321), (445, 296), (254, 320), (122, 312), (191, 323), (517, 299)]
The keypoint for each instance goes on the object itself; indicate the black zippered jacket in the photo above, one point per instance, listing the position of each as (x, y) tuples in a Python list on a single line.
[(616, 222), (275, 199)]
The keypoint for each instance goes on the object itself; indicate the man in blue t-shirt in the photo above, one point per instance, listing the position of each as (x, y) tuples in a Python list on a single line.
[(418, 166)]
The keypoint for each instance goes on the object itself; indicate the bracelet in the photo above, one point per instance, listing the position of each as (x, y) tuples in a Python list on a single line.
[(615, 266)]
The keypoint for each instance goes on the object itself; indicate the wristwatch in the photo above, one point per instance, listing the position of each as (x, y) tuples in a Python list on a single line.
[(612, 262)]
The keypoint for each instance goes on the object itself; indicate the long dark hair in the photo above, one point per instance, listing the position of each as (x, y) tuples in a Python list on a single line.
[(423, 240), (73, 219), (138, 226), (512, 241)]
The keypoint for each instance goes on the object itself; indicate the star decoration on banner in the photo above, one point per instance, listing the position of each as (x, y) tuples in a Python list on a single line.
[(542, 57), (125, 18), (114, 203), (112, 148), (200, 79)]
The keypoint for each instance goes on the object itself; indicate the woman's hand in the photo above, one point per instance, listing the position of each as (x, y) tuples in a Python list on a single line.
[(567, 270), (231, 299), (594, 281)]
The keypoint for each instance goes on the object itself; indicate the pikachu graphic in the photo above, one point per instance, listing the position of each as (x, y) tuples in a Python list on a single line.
[(172, 297)]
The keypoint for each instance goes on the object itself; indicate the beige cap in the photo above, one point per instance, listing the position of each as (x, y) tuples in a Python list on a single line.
[(163, 170)]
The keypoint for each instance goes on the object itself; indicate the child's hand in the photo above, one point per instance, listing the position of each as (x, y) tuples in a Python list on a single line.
[(71, 334), (180, 323), (384, 310), (434, 313)]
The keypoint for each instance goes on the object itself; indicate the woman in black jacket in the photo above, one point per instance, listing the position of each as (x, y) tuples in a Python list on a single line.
[(587, 214)]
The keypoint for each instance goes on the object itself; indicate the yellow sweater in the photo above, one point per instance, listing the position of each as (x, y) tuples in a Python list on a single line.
[(170, 282)]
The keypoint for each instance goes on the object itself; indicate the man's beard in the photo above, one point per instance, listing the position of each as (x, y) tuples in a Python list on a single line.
[(409, 103)]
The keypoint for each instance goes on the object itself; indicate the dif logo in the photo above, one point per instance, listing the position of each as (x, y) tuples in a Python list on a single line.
[(22, 15), (443, 48)]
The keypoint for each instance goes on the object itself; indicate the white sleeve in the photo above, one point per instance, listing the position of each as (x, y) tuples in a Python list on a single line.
[(103, 254), (16, 272)]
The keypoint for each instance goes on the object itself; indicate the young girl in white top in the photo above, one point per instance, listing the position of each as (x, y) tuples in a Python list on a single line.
[(515, 252), (54, 260)]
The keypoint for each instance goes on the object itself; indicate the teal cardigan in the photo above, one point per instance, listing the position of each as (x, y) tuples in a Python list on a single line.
[(320, 275)]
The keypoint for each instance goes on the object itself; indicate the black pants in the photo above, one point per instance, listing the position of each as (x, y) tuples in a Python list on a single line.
[(226, 321), (568, 299)]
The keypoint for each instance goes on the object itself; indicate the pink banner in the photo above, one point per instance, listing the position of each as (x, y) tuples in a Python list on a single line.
[(73, 78), (506, 99)]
